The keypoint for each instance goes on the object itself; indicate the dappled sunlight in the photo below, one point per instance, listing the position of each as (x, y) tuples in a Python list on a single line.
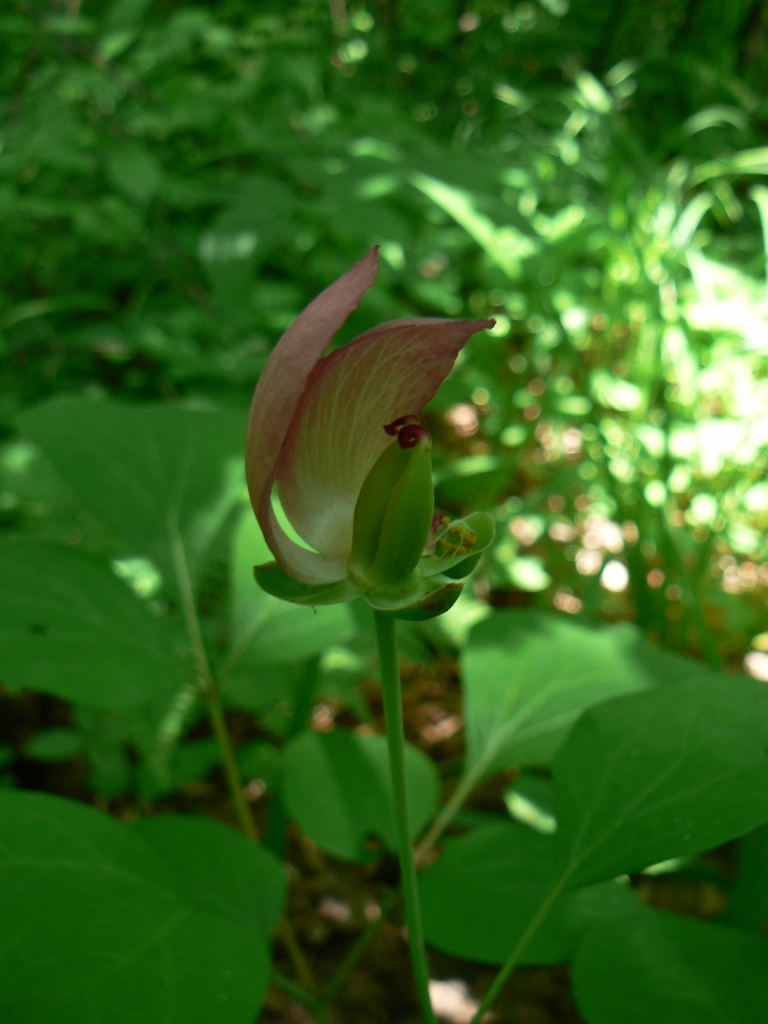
[(221, 803)]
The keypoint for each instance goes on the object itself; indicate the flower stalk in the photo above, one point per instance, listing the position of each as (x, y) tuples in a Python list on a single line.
[(386, 637)]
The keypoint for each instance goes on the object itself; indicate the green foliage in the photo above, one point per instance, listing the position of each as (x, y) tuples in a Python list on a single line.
[(123, 923), (481, 895), (176, 182), (164, 479), (528, 676), (693, 774), (70, 627), (679, 969), (336, 786)]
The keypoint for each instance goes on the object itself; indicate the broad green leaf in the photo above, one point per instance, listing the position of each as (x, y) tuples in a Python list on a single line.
[(159, 476), (661, 774), (528, 675), (219, 868), (266, 630), (482, 893), (337, 788), (98, 927), (70, 627), (671, 970)]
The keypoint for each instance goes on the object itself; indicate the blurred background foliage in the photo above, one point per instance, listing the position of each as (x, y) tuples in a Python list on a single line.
[(177, 180)]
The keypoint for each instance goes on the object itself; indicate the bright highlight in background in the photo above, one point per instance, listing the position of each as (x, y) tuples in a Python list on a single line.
[(615, 577)]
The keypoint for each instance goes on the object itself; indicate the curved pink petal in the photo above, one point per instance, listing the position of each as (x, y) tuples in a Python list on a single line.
[(338, 430), (274, 403)]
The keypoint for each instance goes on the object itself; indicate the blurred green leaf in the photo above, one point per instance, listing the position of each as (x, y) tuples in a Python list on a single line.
[(528, 675), (507, 247), (670, 969), (70, 627), (337, 787), (748, 903), (219, 869), (136, 171), (160, 476), (55, 745), (128, 930), (266, 630)]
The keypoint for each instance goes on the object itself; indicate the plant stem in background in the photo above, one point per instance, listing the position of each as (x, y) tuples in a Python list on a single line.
[(503, 976), (210, 692), (208, 687), (336, 983), (311, 1002), (229, 763), (386, 637)]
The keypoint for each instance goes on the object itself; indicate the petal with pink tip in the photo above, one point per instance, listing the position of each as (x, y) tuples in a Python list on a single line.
[(338, 430), (276, 398)]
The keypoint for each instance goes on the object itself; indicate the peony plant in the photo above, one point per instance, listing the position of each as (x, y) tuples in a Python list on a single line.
[(339, 437)]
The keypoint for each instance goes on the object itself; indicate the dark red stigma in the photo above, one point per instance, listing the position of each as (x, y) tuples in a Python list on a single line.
[(408, 431), (410, 435), (393, 427)]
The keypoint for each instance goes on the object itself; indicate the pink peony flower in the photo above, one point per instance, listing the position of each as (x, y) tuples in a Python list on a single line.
[(340, 433)]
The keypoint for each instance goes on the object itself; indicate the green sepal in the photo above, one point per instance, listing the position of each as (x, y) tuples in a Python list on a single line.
[(271, 578), (434, 604), (462, 562), (425, 600)]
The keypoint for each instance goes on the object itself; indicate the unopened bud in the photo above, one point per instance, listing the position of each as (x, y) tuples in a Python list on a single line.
[(394, 511)]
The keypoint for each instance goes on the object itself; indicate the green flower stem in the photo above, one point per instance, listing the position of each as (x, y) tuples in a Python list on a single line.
[(307, 999), (386, 636)]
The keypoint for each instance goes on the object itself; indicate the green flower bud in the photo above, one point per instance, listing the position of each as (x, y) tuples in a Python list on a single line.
[(394, 511)]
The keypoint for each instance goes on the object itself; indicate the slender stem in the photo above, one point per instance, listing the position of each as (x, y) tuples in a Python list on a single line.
[(357, 949), (208, 688), (386, 636), (294, 951), (503, 976), (307, 999), (229, 763), (452, 806), (210, 692), (299, 994)]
